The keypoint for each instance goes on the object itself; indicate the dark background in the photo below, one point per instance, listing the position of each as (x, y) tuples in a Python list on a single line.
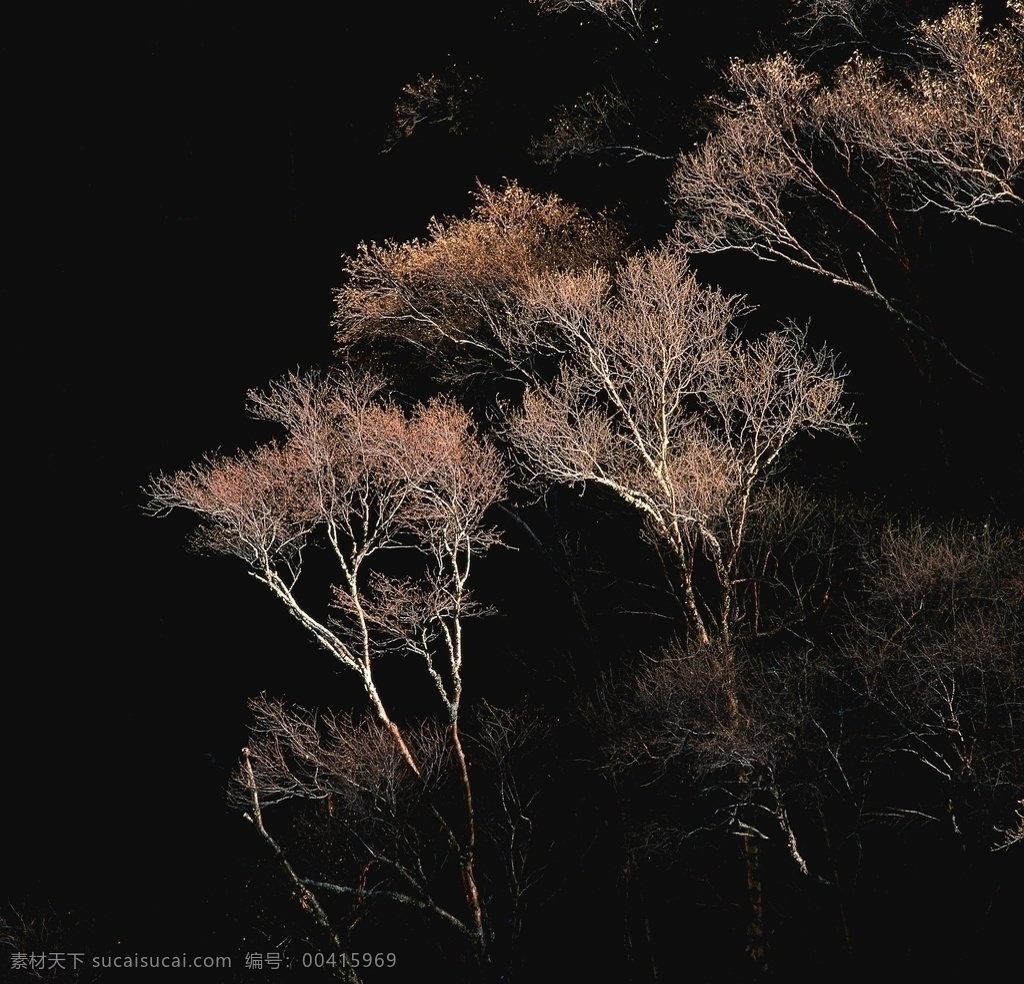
[(183, 193)]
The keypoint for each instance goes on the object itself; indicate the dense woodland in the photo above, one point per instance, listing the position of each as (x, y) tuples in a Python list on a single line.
[(597, 440)]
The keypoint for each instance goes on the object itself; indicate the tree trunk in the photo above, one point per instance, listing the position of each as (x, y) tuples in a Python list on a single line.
[(757, 948)]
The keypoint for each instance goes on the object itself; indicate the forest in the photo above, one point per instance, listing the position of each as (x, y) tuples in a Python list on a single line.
[(555, 499)]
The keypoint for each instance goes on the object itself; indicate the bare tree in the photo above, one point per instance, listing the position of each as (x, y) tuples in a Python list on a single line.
[(845, 17), (796, 156), (636, 380), (661, 402), (363, 477), (938, 649), (446, 300), (377, 833)]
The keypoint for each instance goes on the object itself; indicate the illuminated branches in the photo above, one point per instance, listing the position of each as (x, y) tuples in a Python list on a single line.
[(599, 125), (830, 176), (355, 471), (658, 400), (362, 477), (623, 14), (358, 473), (447, 300), (431, 100)]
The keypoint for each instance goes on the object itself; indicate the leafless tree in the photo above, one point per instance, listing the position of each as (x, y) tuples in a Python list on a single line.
[(902, 709), (796, 156), (656, 397), (681, 722), (637, 380), (378, 834), (363, 477), (446, 299), (938, 650), (828, 16), (660, 401)]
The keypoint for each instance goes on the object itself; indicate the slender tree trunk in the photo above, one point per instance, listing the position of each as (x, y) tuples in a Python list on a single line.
[(696, 622), (403, 748), (756, 943), (757, 948), (468, 848), (844, 917), (307, 898)]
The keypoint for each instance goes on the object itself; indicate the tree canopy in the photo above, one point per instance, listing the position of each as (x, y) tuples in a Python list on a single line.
[(543, 420)]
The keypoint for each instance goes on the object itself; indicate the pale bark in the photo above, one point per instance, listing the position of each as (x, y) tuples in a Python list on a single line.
[(369, 478)]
